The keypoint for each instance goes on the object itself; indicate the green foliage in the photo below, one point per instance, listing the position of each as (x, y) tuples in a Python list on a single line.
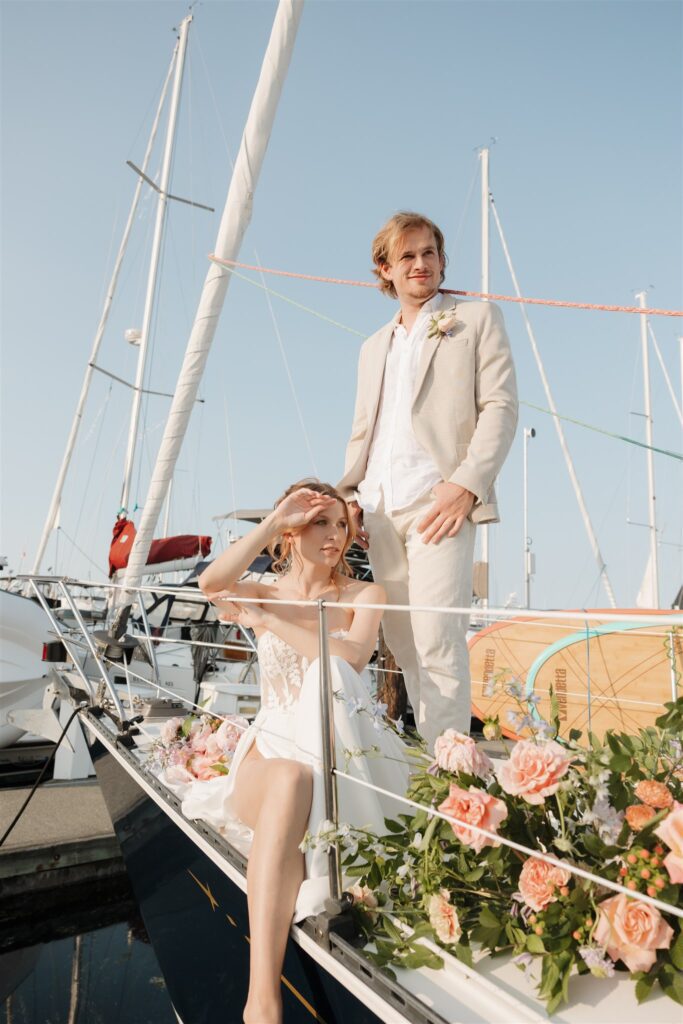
[(582, 821)]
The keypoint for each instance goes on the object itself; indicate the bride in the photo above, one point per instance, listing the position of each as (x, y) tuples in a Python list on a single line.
[(275, 784)]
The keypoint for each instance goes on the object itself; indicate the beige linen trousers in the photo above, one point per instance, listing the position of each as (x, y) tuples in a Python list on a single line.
[(464, 413)]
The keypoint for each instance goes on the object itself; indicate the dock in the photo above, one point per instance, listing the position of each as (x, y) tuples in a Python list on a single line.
[(63, 838)]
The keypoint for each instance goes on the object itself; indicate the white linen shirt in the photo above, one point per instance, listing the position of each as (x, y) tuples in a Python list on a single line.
[(399, 469)]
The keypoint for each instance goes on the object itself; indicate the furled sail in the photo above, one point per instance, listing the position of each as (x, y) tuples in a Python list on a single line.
[(234, 222)]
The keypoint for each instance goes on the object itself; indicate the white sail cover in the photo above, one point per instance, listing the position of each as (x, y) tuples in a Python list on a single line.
[(234, 222)]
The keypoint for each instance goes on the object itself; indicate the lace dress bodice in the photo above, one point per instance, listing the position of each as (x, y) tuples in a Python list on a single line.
[(282, 671)]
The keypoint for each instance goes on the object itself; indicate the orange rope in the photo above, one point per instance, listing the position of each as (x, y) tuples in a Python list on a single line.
[(453, 291)]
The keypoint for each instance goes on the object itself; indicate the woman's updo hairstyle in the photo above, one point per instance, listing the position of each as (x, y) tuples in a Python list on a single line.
[(280, 548)]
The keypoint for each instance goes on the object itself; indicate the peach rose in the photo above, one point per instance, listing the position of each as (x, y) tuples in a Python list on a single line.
[(538, 882), (671, 832), (475, 807), (455, 752), (533, 770), (638, 815), (443, 917), (632, 931), (654, 794)]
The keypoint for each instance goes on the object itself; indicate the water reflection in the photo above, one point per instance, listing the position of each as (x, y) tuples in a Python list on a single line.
[(103, 975)]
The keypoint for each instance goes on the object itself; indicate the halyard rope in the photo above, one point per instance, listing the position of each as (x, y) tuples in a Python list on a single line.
[(562, 303)]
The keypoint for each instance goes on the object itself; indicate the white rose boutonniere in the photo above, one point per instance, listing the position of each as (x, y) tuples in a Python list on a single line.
[(441, 324)]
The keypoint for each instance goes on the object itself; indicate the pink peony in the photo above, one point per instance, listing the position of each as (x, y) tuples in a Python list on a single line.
[(455, 752), (533, 770), (201, 767), (475, 807), (632, 931), (671, 832), (539, 881), (169, 730), (443, 917)]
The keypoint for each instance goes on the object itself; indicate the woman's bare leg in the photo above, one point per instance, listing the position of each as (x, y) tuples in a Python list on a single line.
[(273, 797)]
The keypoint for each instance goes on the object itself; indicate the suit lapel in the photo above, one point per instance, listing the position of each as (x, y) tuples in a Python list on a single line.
[(429, 348)]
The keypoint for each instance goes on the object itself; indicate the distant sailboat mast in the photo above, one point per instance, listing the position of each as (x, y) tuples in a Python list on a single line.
[(234, 222), (162, 203), (53, 513)]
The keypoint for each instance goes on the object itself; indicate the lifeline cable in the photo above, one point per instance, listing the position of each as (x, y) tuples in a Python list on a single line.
[(561, 303)]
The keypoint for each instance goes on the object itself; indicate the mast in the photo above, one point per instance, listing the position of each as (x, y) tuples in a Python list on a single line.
[(162, 202), (651, 498), (234, 222), (99, 334), (485, 236), (602, 566)]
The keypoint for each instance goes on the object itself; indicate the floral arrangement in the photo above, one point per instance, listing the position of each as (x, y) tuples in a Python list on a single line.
[(196, 747), (612, 807)]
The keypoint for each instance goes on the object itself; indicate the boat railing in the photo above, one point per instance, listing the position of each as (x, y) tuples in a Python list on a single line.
[(665, 625)]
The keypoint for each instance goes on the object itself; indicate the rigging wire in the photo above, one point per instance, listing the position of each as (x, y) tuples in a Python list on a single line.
[(466, 207), (231, 469), (665, 373), (538, 408), (295, 397)]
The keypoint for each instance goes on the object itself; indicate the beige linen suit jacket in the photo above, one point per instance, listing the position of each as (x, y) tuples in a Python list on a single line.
[(464, 409)]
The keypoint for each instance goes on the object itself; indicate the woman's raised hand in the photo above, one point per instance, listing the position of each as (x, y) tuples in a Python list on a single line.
[(300, 507)]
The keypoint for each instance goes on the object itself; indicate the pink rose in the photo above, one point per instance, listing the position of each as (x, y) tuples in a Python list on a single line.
[(455, 752), (475, 807), (443, 917), (632, 931), (671, 832), (539, 882), (533, 770)]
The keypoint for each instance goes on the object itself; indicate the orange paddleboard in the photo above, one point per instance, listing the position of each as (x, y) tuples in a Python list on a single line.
[(605, 675)]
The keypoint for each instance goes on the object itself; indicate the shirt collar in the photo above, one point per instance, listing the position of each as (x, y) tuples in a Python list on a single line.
[(432, 306)]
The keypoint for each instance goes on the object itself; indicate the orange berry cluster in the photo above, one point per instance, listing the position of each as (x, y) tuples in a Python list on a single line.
[(642, 870), (582, 932)]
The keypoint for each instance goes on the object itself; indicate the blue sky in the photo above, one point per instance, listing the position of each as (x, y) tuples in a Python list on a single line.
[(383, 109)]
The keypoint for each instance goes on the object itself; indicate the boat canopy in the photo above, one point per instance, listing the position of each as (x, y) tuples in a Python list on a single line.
[(168, 549)]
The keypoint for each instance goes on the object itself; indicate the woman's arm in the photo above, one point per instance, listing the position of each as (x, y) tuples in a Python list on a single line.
[(356, 648), (225, 570), (295, 511)]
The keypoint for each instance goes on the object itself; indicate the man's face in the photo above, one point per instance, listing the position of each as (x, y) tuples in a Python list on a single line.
[(415, 268)]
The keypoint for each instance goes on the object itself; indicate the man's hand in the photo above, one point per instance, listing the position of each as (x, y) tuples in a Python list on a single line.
[(452, 505), (362, 538)]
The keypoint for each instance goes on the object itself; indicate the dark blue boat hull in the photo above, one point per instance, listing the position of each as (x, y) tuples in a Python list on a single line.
[(197, 919)]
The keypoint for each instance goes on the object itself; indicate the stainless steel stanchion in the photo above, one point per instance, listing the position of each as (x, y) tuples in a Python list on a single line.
[(329, 759)]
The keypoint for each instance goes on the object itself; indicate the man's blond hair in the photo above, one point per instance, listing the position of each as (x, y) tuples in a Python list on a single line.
[(388, 239)]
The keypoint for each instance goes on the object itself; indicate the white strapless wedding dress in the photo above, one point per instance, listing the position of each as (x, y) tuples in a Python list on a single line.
[(289, 725)]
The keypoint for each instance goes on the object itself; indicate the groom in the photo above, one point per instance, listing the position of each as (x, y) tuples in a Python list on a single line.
[(435, 415)]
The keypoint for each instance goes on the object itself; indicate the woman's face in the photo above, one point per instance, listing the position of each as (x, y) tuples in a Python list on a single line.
[(322, 542)]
